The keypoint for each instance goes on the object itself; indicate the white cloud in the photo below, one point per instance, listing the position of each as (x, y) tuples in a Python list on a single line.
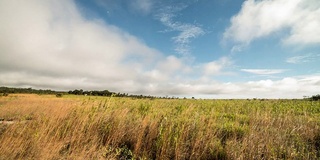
[(261, 18), (186, 31), (289, 87), (172, 65), (50, 40), (303, 59), (264, 71), (215, 67)]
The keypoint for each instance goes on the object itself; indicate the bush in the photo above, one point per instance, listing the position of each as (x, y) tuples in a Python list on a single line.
[(59, 95), (4, 94)]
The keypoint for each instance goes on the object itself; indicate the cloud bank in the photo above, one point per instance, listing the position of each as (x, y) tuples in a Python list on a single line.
[(51, 39)]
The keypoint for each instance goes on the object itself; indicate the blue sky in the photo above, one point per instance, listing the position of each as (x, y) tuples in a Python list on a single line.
[(200, 48)]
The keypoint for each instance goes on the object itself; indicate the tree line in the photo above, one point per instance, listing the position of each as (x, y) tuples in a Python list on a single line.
[(8, 90), (114, 94), (4, 91)]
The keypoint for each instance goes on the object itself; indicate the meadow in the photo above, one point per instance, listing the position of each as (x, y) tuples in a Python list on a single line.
[(87, 127)]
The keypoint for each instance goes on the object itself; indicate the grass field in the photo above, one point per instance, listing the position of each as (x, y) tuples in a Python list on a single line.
[(83, 127)]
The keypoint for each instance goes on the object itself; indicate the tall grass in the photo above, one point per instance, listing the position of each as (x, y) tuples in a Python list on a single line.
[(78, 127)]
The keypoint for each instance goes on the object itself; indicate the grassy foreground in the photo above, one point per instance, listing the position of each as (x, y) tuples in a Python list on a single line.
[(79, 127)]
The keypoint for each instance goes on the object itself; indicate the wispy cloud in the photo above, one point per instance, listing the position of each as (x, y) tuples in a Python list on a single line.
[(187, 31), (261, 18), (144, 6), (303, 59), (238, 48), (264, 71), (134, 6)]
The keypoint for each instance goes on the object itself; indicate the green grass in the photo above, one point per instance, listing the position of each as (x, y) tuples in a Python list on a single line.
[(73, 127)]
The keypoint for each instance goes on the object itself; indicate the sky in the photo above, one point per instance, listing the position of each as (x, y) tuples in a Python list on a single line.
[(182, 48)]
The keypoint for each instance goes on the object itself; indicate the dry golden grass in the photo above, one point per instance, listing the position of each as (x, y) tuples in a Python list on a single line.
[(78, 127)]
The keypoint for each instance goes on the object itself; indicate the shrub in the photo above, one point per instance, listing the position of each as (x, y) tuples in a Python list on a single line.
[(4, 94), (59, 95)]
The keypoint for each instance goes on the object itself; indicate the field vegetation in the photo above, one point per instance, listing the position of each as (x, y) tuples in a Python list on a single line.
[(86, 127)]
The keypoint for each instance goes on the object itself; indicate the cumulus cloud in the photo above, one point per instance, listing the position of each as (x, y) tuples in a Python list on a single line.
[(51, 39), (172, 64), (261, 18), (264, 71), (215, 67), (187, 31)]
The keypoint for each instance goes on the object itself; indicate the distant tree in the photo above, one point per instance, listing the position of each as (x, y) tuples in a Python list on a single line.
[(77, 92), (315, 97)]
